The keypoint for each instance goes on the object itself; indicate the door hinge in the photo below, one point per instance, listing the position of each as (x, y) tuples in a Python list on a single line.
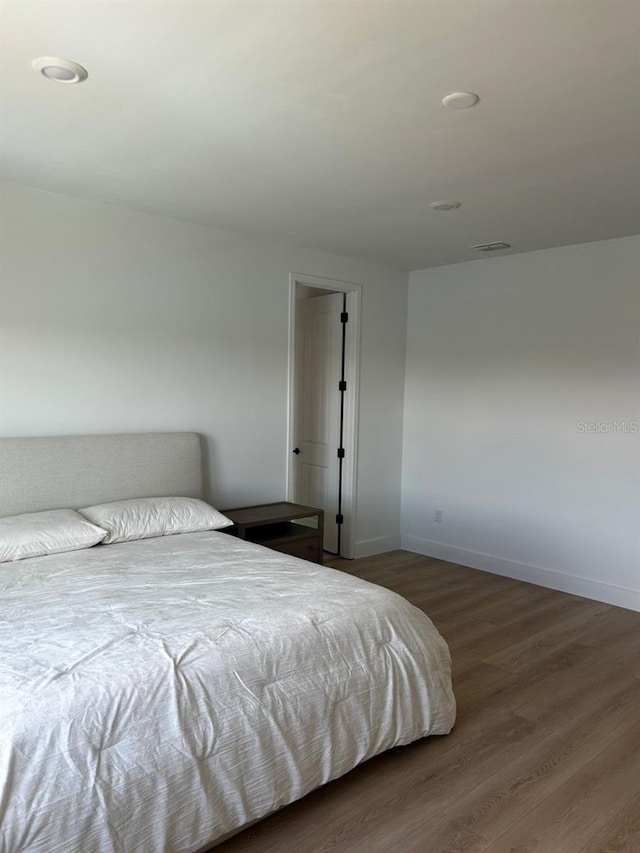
[(339, 518), (344, 317), (341, 453), (342, 385)]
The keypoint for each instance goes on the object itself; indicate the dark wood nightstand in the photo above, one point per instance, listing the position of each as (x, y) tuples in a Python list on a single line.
[(278, 526)]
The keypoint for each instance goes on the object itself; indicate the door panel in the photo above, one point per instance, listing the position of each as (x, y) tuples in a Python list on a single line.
[(313, 484), (317, 374), (316, 343)]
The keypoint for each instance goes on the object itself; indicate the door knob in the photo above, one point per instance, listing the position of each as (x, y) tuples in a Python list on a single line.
[(296, 450)]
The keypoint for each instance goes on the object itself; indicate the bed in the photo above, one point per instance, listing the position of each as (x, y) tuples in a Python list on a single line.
[(160, 694)]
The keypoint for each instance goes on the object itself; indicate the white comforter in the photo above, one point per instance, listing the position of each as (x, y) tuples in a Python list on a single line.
[(156, 695)]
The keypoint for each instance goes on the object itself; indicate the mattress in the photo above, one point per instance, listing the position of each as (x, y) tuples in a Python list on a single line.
[(157, 695)]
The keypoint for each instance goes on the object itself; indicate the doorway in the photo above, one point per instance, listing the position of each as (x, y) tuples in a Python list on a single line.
[(324, 324)]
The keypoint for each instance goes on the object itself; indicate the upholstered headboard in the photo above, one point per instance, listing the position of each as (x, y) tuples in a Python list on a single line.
[(80, 470)]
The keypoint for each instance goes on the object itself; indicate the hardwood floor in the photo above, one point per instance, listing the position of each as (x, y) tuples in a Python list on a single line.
[(545, 754)]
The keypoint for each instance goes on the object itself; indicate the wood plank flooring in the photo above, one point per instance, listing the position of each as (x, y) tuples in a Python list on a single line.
[(545, 754)]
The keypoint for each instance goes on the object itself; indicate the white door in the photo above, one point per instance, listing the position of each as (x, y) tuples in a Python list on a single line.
[(318, 371)]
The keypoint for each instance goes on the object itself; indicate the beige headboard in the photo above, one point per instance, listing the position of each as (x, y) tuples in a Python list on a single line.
[(80, 470)]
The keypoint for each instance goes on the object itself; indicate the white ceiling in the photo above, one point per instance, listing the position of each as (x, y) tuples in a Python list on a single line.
[(319, 122)]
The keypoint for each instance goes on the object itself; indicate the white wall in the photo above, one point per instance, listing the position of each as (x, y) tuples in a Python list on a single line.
[(505, 358), (115, 321)]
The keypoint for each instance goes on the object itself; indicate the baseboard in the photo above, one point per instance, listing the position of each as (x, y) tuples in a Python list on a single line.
[(370, 547), (597, 590)]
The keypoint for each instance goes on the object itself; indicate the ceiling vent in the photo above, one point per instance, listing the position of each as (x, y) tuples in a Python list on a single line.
[(492, 247)]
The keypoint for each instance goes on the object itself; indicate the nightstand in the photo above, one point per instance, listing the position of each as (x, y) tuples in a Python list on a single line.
[(279, 526)]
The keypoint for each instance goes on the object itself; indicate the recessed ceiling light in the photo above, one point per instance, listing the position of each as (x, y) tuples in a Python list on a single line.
[(460, 100), (445, 205), (492, 247), (60, 70)]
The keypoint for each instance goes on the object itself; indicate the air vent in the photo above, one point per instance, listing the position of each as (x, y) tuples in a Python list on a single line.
[(492, 247)]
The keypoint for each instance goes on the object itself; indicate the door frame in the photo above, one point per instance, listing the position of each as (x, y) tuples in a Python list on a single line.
[(351, 400)]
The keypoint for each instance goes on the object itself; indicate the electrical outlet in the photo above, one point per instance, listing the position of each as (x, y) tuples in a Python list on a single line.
[(438, 516)]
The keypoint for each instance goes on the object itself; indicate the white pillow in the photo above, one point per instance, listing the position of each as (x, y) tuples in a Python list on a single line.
[(142, 518), (35, 534)]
